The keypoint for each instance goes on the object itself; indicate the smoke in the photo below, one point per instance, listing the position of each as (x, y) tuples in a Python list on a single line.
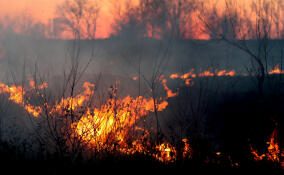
[(150, 41)]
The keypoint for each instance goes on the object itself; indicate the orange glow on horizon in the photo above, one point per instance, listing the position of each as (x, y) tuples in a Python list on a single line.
[(45, 11)]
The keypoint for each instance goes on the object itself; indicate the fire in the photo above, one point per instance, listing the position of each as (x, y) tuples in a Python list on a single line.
[(77, 101), (167, 153), (116, 125), (183, 76), (225, 73), (135, 78), (273, 148), (206, 74), (174, 76), (273, 153), (189, 82), (220, 73), (188, 77), (117, 121), (189, 74), (33, 85), (170, 93), (116, 116), (187, 150), (16, 94), (110, 124), (276, 70)]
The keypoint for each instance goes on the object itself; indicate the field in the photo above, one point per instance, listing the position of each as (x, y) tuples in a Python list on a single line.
[(74, 106)]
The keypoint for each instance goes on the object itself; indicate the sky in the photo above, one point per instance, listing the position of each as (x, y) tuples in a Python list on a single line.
[(43, 10)]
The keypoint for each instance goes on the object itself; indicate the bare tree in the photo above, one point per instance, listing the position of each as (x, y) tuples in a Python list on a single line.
[(79, 17), (251, 35), (155, 18), (180, 18), (147, 19), (55, 128)]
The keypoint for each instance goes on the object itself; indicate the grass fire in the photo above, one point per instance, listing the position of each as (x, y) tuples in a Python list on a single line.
[(89, 85)]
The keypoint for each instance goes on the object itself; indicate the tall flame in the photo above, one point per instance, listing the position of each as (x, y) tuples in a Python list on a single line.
[(110, 123), (273, 153)]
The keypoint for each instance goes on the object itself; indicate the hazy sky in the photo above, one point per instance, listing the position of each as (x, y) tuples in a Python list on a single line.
[(43, 10)]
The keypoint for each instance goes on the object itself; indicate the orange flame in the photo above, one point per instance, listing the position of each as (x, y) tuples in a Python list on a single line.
[(96, 125), (111, 123), (187, 150), (188, 77), (34, 86), (135, 78), (276, 70), (174, 76), (206, 74), (170, 93), (167, 153), (273, 153), (17, 96)]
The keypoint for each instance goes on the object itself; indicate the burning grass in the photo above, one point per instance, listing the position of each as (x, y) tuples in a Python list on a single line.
[(118, 125), (273, 150)]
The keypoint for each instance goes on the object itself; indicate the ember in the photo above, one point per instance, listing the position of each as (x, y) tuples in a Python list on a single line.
[(273, 149)]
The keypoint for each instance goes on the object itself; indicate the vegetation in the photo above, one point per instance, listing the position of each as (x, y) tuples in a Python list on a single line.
[(135, 100)]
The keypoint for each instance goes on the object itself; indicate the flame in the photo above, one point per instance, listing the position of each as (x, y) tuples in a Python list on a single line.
[(33, 85), (206, 73), (189, 82), (115, 124), (104, 126), (189, 74), (187, 150), (232, 73), (16, 94), (225, 73), (188, 77), (174, 76), (115, 115), (167, 153), (170, 93), (135, 78), (219, 73), (276, 70), (273, 153), (273, 148), (71, 103)]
